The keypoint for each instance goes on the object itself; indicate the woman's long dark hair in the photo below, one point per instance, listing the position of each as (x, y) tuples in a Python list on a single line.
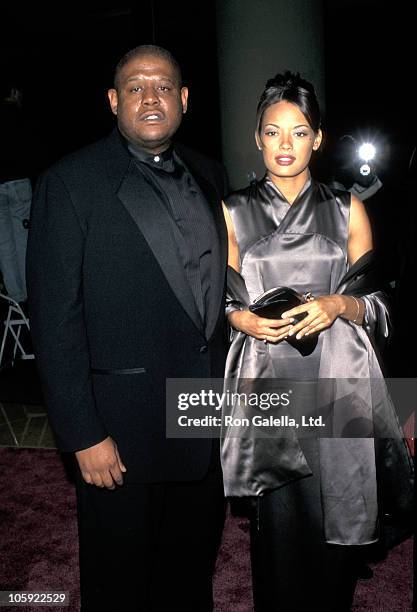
[(291, 88)]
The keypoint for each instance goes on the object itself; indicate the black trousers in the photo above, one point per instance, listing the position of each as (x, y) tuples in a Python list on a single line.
[(293, 568), (150, 547)]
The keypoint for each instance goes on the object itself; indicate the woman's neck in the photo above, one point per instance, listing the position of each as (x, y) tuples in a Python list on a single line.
[(290, 186)]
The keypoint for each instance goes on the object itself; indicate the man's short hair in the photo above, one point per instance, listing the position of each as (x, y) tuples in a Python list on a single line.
[(154, 50)]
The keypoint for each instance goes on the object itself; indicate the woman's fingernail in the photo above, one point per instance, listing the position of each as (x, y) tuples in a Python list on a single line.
[(290, 333), (298, 336)]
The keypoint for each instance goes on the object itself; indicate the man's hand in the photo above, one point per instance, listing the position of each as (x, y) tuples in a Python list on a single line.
[(101, 464)]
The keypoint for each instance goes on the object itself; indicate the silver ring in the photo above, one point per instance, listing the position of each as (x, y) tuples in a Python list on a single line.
[(308, 296)]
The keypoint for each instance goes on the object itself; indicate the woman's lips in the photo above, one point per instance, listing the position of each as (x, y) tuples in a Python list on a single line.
[(284, 160)]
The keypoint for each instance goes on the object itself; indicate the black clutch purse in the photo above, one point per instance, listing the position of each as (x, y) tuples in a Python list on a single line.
[(274, 302)]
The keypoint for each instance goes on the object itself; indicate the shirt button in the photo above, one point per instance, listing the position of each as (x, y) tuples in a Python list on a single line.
[(156, 158), (203, 349)]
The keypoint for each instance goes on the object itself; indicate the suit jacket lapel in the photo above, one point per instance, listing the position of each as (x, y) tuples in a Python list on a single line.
[(219, 244), (152, 219)]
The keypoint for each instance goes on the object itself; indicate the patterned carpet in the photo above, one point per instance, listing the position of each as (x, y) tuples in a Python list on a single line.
[(38, 543)]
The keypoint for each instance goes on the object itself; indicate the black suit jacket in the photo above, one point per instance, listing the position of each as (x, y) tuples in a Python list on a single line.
[(111, 313)]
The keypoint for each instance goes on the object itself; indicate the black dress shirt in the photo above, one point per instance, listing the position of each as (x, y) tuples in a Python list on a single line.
[(192, 223)]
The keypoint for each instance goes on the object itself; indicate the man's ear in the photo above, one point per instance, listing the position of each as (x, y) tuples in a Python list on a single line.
[(317, 140), (113, 99), (184, 99)]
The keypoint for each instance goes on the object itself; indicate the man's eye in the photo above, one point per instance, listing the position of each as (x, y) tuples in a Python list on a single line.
[(135, 89), (164, 88)]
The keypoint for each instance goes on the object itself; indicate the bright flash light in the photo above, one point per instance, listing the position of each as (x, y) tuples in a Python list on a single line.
[(367, 151)]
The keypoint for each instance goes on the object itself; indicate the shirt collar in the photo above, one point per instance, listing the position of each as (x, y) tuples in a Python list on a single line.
[(161, 161)]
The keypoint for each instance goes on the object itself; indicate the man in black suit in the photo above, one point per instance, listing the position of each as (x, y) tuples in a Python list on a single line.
[(126, 280)]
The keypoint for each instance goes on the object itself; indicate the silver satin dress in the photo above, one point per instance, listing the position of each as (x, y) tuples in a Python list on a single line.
[(304, 246)]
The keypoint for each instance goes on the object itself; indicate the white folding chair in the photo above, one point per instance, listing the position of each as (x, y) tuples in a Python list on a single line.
[(34, 412), (13, 324), (8, 424)]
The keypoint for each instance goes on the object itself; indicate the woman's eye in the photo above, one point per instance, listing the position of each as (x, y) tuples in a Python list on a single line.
[(270, 133), (301, 134)]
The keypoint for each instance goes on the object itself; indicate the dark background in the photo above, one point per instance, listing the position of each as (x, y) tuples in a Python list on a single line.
[(64, 57), (64, 60), (370, 48)]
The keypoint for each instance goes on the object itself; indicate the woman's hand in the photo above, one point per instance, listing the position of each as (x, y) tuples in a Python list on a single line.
[(269, 330), (322, 312)]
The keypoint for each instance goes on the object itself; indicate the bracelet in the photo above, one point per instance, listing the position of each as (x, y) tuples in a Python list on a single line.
[(232, 307), (357, 305)]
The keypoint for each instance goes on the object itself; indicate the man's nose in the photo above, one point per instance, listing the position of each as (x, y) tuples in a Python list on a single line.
[(150, 96)]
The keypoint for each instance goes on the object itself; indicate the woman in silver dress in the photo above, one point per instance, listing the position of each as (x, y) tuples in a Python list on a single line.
[(317, 502)]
